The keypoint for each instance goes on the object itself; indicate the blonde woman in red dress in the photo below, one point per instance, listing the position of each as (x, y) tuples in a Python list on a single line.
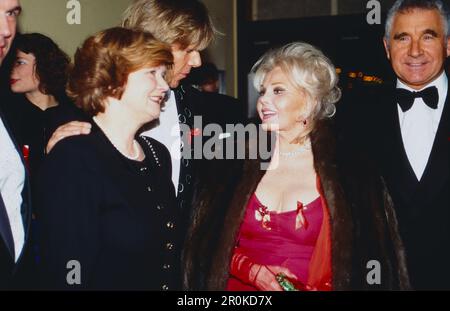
[(316, 217)]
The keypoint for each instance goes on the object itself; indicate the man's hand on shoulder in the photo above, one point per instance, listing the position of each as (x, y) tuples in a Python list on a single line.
[(69, 129)]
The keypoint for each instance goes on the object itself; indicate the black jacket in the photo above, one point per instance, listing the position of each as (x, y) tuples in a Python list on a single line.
[(114, 216), (423, 208)]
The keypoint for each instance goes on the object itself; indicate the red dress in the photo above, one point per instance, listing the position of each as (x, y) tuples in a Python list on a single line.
[(272, 239)]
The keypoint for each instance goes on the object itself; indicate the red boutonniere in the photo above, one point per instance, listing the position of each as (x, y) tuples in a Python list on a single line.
[(26, 155), (194, 132)]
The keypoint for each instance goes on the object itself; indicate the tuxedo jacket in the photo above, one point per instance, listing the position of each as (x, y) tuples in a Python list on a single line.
[(214, 109), (15, 275), (422, 207)]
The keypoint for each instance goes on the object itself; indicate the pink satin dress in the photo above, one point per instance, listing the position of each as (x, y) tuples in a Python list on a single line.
[(271, 238)]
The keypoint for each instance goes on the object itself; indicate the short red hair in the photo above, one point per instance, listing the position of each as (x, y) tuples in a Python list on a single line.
[(102, 64)]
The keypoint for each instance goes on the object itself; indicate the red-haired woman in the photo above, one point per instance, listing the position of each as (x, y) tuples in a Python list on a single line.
[(106, 199)]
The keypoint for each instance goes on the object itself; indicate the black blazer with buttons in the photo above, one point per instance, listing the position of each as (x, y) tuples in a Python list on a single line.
[(114, 216)]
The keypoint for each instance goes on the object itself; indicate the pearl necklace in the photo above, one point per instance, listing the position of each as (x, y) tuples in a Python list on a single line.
[(135, 143), (304, 147)]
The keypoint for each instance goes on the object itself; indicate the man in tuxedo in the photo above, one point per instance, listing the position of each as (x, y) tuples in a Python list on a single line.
[(14, 192), (410, 135)]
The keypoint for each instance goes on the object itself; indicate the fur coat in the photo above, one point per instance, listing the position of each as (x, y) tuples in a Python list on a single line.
[(362, 219)]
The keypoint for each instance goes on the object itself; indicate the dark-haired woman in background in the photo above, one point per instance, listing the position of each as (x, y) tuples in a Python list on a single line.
[(37, 81), (38, 78)]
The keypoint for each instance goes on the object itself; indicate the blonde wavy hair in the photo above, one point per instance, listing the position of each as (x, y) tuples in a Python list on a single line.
[(185, 22), (310, 71)]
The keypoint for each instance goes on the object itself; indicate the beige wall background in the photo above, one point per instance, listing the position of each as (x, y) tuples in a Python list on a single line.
[(49, 18)]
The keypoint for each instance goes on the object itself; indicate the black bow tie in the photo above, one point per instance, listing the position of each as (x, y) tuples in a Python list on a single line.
[(406, 98)]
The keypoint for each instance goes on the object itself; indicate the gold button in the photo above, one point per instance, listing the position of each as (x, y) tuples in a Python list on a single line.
[(159, 207), (165, 287), (169, 246), (149, 189), (170, 225), (166, 266)]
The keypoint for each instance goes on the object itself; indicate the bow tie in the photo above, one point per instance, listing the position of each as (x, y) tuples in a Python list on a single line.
[(406, 98)]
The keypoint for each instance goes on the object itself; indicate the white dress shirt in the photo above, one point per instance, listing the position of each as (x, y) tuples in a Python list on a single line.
[(12, 179), (168, 133), (419, 125)]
